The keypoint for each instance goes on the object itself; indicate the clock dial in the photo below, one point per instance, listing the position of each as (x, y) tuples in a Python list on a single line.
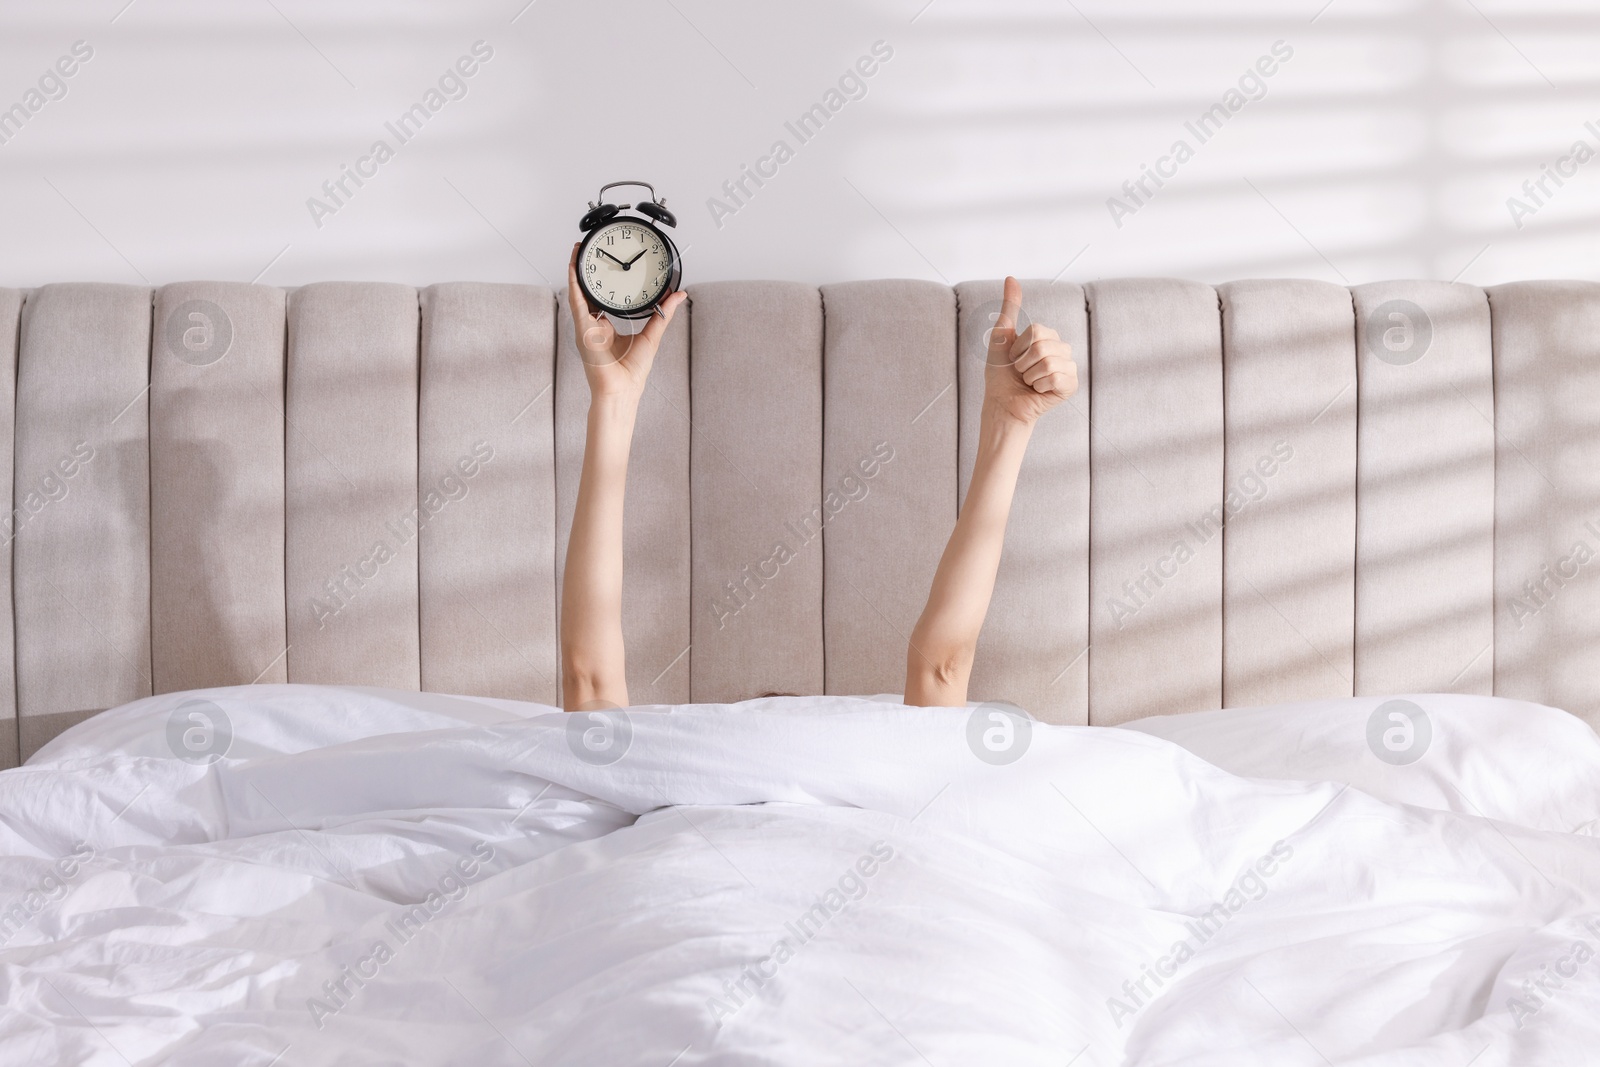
[(626, 266)]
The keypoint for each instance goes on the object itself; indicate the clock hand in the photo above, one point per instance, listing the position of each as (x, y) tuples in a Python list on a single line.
[(613, 259), (634, 260)]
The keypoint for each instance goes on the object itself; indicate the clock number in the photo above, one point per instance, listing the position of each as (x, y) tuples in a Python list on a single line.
[(611, 238)]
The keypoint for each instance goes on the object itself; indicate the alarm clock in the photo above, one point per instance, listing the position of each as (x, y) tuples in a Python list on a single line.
[(627, 264)]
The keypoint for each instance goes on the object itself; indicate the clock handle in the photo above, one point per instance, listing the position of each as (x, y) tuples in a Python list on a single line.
[(614, 185)]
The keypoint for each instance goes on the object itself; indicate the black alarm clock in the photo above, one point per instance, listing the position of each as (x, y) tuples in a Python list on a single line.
[(627, 264)]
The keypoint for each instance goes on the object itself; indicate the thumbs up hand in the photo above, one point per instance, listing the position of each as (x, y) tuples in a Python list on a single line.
[(1027, 373)]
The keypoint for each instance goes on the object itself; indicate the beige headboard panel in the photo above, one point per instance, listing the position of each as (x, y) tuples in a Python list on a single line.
[(217, 483)]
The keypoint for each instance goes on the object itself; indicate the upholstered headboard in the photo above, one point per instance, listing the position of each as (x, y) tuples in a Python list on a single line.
[(218, 484)]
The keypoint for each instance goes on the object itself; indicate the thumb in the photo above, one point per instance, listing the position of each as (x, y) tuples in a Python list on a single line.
[(1005, 327)]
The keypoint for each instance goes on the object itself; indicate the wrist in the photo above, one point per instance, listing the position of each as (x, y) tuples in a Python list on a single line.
[(996, 419), (614, 406)]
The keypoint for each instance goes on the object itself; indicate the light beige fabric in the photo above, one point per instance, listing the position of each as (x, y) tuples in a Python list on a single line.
[(1289, 559), (756, 476), (1034, 649), (486, 484), (1425, 490), (1156, 469), (216, 486), (888, 470), (81, 556), (1547, 493), (10, 320), (1425, 534), (350, 559)]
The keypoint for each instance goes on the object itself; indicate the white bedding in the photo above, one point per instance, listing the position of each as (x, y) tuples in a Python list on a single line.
[(798, 881)]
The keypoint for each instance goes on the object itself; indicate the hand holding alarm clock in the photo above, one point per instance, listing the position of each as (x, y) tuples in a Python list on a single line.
[(626, 267)]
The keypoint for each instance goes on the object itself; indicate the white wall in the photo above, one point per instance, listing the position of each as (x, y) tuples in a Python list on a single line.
[(1386, 146)]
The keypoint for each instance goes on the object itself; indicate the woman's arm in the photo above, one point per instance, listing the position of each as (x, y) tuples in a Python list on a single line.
[(1026, 376), (593, 663)]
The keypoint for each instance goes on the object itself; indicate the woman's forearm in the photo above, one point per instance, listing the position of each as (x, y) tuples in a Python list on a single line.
[(593, 663), (594, 670), (945, 640)]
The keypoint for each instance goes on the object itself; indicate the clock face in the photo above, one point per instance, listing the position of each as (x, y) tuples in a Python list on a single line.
[(626, 266)]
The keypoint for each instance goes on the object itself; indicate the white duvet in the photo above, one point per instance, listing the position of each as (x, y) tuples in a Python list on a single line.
[(393, 878)]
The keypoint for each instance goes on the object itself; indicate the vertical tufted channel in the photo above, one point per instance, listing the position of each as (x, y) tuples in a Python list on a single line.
[(756, 485), (10, 320), (1425, 490), (1034, 651), (486, 479), (81, 505), (888, 470), (1547, 493), (656, 556), (1288, 586), (351, 485), (1156, 499), (216, 486)]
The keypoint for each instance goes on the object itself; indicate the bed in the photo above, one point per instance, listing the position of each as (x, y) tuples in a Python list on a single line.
[(374, 876), (258, 533)]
